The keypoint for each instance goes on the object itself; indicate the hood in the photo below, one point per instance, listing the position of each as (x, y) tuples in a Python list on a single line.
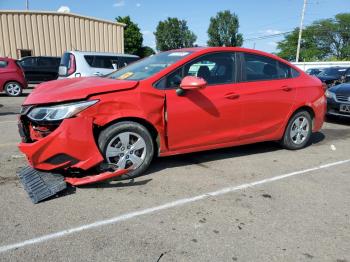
[(327, 78), (75, 89), (343, 89)]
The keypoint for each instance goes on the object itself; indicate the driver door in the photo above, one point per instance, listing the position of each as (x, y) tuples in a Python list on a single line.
[(204, 117)]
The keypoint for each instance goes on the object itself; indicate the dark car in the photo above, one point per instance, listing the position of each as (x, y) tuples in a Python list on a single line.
[(334, 75), (11, 77), (314, 71), (338, 100), (39, 69)]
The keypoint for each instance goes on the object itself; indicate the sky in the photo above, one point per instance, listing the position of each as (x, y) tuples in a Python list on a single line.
[(256, 17)]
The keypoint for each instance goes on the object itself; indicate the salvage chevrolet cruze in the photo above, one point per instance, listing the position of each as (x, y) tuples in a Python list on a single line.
[(175, 102)]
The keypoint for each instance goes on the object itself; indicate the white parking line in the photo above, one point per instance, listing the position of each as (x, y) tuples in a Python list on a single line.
[(151, 210)]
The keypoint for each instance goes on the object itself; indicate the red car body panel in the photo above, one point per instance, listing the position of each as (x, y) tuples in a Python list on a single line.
[(12, 72), (213, 117)]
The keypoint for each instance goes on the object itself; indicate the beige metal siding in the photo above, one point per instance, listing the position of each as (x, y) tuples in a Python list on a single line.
[(52, 33)]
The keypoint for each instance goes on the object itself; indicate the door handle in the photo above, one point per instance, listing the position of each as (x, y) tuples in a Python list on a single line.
[(232, 96), (287, 88)]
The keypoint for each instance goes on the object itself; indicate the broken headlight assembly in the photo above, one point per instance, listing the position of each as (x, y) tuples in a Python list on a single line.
[(59, 112)]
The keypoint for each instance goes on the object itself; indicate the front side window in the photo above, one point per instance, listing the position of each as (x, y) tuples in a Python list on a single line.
[(217, 68), (149, 66)]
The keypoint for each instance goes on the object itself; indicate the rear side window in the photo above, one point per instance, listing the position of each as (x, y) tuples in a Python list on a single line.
[(3, 64), (100, 61), (45, 61), (258, 68)]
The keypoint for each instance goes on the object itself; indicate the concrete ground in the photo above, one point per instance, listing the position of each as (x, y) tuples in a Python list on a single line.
[(255, 203)]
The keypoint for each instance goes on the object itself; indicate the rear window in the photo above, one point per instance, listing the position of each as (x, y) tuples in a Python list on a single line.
[(27, 62), (3, 64), (65, 60)]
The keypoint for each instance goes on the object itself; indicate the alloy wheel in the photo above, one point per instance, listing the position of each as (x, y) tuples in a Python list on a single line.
[(13, 89), (299, 130)]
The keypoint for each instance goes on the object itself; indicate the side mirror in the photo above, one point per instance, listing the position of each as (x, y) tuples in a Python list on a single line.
[(62, 71), (192, 83)]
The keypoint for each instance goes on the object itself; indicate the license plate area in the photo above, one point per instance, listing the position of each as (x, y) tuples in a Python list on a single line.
[(344, 108)]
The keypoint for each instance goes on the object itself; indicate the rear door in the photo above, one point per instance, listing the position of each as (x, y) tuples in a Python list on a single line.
[(267, 92), (205, 117), (47, 68), (30, 68)]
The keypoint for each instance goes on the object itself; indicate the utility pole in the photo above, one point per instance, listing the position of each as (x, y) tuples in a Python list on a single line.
[(300, 31), (27, 4)]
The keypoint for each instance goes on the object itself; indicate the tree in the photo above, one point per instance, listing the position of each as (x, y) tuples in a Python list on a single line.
[(223, 30), (132, 35), (326, 39), (145, 51), (172, 34)]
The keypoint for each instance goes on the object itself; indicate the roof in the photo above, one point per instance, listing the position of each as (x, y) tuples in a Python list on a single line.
[(100, 53), (59, 13)]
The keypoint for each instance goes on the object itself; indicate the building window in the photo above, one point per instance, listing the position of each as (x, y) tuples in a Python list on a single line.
[(24, 52)]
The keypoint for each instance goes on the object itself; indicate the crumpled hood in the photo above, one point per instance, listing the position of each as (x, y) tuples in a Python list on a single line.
[(75, 89)]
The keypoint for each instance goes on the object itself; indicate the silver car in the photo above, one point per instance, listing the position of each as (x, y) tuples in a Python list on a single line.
[(78, 63)]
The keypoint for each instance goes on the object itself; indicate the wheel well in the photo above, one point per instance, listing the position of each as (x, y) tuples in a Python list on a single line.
[(150, 128), (309, 110), (8, 81)]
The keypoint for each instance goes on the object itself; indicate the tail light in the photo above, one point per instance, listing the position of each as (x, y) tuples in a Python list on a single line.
[(72, 65)]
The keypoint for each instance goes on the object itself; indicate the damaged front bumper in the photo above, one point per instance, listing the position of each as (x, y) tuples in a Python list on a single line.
[(71, 145), (60, 154)]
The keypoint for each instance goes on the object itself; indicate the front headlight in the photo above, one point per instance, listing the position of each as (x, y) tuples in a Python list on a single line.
[(330, 94), (59, 112)]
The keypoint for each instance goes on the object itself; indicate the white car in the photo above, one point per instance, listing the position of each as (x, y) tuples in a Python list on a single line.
[(78, 63)]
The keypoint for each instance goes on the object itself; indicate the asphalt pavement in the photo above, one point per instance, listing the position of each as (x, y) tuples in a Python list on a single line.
[(249, 203)]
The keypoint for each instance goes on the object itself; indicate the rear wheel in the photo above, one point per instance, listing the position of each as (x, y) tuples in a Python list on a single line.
[(298, 131), (127, 145), (13, 89)]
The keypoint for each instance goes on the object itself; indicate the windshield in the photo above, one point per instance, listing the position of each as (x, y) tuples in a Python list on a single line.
[(149, 66), (333, 72)]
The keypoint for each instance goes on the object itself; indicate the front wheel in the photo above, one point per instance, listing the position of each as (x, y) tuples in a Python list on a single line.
[(127, 145), (13, 89), (298, 131)]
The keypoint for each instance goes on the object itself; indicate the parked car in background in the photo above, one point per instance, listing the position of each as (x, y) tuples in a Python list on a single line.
[(38, 69), (12, 79), (314, 71), (338, 100), (78, 63), (174, 102), (334, 75)]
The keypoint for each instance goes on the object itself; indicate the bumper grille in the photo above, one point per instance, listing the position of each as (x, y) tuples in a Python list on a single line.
[(343, 98)]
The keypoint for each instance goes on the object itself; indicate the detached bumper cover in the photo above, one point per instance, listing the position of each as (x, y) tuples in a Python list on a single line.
[(42, 185), (72, 144)]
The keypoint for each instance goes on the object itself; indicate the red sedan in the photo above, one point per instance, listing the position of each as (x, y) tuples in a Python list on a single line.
[(12, 79), (175, 102)]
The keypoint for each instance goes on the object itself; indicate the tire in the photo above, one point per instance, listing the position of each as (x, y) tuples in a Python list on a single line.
[(13, 89), (119, 145), (298, 132)]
